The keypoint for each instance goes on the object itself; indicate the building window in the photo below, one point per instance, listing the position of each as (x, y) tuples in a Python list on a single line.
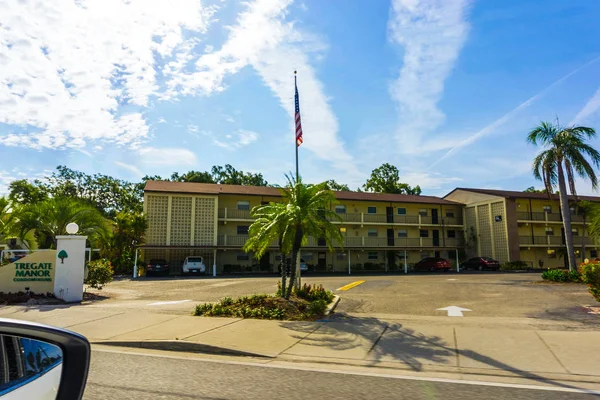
[(242, 229), (449, 214), (340, 256), (307, 256), (551, 253), (575, 231), (372, 232), (243, 205), (371, 210), (342, 230), (593, 253), (548, 209), (340, 209), (549, 231), (423, 212), (373, 255), (451, 233), (243, 257), (401, 211), (424, 233), (402, 233)]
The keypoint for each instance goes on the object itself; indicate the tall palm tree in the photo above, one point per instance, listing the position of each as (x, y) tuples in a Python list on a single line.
[(586, 209), (565, 154), (6, 217), (304, 211), (49, 218)]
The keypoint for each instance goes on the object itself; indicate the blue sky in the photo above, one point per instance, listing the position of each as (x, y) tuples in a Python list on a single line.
[(444, 90)]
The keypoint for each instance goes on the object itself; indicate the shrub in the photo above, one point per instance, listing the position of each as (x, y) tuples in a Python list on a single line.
[(314, 292), (590, 274), (574, 276), (226, 301), (202, 309), (100, 272), (317, 307), (555, 275), (514, 265)]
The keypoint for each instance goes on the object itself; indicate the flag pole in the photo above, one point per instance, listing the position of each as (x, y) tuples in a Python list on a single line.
[(295, 133)]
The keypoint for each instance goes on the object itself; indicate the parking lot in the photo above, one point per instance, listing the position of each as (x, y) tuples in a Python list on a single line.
[(486, 294)]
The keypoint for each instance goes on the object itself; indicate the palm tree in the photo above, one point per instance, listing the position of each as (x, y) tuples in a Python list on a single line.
[(49, 218), (586, 209), (303, 212), (565, 152), (5, 217)]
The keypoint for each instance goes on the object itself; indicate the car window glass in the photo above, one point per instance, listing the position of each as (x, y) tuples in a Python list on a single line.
[(194, 259), (39, 356)]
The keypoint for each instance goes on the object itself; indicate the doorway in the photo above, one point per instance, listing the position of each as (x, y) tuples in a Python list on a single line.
[(265, 262), (434, 216), (436, 237), (389, 215), (322, 261), (390, 237)]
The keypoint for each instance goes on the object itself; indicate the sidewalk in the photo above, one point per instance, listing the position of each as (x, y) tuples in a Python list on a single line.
[(483, 346)]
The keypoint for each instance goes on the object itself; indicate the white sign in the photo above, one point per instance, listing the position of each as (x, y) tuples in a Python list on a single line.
[(454, 311)]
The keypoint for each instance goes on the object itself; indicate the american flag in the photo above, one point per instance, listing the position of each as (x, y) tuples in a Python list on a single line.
[(298, 123)]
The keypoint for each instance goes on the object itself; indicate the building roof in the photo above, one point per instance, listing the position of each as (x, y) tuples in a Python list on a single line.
[(212, 188), (522, 195)]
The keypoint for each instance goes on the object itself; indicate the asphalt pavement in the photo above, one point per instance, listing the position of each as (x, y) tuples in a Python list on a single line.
[(162, 375)]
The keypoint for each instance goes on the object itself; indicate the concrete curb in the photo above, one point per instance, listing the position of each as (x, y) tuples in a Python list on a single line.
[(178, 345), (332, 305)]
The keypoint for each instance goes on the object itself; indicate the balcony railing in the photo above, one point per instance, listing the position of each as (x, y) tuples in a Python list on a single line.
[(347, 217), (543, 216), (406, 219), (452, 220), (553, 240), (379, 218), (425, 219)]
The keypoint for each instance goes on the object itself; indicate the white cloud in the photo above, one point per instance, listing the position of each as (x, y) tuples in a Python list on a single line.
[(132, 168), (67, 66), (191, 128), (432, 33), (592, 105), (167, 156), (263, 38), (235, 140)]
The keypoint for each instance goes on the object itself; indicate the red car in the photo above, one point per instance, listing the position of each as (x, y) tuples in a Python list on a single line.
[(433, 264), (481, 263)]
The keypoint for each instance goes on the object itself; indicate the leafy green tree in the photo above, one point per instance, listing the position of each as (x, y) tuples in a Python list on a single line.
[(49, 218), (5, 217), (230, 176), (564, 157), (24, 192), (586, 209), (193, 176), (532, 189), (119, 242), (333, 185), (386, 179), (304, 211)]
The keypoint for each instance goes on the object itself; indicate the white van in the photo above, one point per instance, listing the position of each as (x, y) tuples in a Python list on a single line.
[(193, 264)]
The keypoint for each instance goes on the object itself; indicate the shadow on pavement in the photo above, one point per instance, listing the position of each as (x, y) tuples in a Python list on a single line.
[(396, 343)]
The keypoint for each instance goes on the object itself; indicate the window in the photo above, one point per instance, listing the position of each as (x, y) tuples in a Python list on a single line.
[(575, 231), (243, 257), (401, 211), (549, 231), (451, 233), (548, 209), (340, 209), (243, 205), (371, 210), (551, 253), (593, 253), (342, 230), (242, 229), (373, 255), (423, 212), (372, 232), (307, 256), (39, 356), (424, 233), (450, 214), (402, 233), (340, 256)]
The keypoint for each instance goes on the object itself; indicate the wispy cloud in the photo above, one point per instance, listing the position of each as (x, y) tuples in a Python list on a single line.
[(131, 168), (509, 115), (167, 156), (263, 38), (432, 34), (236, 140), (590, 108), (67, 69)]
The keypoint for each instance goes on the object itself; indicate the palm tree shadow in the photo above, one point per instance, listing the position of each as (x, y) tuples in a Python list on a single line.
[(349, 338)]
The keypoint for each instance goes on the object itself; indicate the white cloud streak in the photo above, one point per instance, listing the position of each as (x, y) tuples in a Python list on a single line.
[(432, 34), (167, 156), (506, 117), (67, 67), (131, 168), (590, 108)]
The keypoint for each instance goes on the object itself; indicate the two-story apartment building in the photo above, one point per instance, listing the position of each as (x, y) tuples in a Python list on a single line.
[(510, 225), (381, 231)]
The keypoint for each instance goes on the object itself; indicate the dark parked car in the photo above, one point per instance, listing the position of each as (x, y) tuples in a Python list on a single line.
[(157, 266), (481, 263), (433, 264)]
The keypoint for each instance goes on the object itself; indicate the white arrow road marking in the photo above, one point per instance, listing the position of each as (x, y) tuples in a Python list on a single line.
[(454, 311), (163, 303)]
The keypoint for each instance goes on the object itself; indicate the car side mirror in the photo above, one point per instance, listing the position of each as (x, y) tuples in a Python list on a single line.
[(41, 362)]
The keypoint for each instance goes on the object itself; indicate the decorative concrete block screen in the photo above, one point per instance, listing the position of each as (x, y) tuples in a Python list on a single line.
[(485, 230), (181, 221), (204, 232), (157, 211), (500, 234)]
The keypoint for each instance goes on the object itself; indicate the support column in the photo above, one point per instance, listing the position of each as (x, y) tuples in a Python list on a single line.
[(457, 262), (135, 267), (169, 208), (214, 262), (405, 263), (349, 267)]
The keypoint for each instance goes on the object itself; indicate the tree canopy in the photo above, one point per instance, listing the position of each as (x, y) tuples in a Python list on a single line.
[(386, 179)]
